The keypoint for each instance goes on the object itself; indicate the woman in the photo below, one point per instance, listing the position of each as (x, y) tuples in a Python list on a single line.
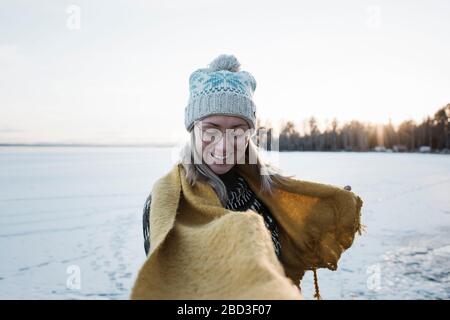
[(200, 249)]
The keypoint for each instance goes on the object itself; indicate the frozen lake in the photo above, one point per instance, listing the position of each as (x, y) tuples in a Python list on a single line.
[(66, 212)]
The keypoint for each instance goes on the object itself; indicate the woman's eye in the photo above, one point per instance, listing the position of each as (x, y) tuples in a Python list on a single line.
[(207, 136), (238, 133), (210, 134)]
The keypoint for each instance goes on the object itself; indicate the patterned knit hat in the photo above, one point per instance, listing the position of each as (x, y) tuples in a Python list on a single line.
[(221, 89)]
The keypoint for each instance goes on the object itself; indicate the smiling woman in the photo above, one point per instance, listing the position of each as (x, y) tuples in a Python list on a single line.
[(223, 224)]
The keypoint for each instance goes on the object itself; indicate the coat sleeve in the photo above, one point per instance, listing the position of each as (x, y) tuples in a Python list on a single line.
[(146, 223)]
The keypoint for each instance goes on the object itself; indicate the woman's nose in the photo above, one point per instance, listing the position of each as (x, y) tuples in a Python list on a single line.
[(224, 146), (220, 148)]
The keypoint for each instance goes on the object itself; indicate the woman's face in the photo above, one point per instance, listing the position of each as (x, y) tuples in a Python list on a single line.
[(223, 141)]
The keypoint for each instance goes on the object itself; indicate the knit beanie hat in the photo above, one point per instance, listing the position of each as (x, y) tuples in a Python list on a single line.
[(221, 89)]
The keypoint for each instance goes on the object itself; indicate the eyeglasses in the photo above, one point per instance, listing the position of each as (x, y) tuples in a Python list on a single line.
[(207, 134)]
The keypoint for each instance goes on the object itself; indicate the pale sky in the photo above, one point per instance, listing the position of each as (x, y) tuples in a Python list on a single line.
[(121, 74)]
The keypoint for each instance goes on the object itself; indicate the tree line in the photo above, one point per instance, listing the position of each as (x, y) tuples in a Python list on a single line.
[(432, 134)]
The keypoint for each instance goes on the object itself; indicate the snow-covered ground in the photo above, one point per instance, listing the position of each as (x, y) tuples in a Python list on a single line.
[(69, 214)]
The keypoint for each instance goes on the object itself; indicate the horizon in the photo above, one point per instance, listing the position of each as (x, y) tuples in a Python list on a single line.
[(171, 143)]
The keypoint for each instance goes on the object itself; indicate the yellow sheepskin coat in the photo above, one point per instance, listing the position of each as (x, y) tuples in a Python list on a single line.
[(201, 250)]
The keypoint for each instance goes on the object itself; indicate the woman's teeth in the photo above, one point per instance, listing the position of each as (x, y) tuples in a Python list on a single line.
[(219, 157)]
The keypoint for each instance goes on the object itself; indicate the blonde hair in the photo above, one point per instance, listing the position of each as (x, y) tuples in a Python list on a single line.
[(270, 175)]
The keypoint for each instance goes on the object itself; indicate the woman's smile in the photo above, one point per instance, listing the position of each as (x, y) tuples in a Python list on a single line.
[(219, 157)]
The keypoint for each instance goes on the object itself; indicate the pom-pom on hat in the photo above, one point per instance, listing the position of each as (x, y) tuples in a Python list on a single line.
[(221, 89)]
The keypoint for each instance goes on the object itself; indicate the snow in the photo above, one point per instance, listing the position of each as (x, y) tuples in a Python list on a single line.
[(76, 213)]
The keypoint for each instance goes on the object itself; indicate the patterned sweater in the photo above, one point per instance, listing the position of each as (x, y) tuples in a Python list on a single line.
[(240, 198)]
